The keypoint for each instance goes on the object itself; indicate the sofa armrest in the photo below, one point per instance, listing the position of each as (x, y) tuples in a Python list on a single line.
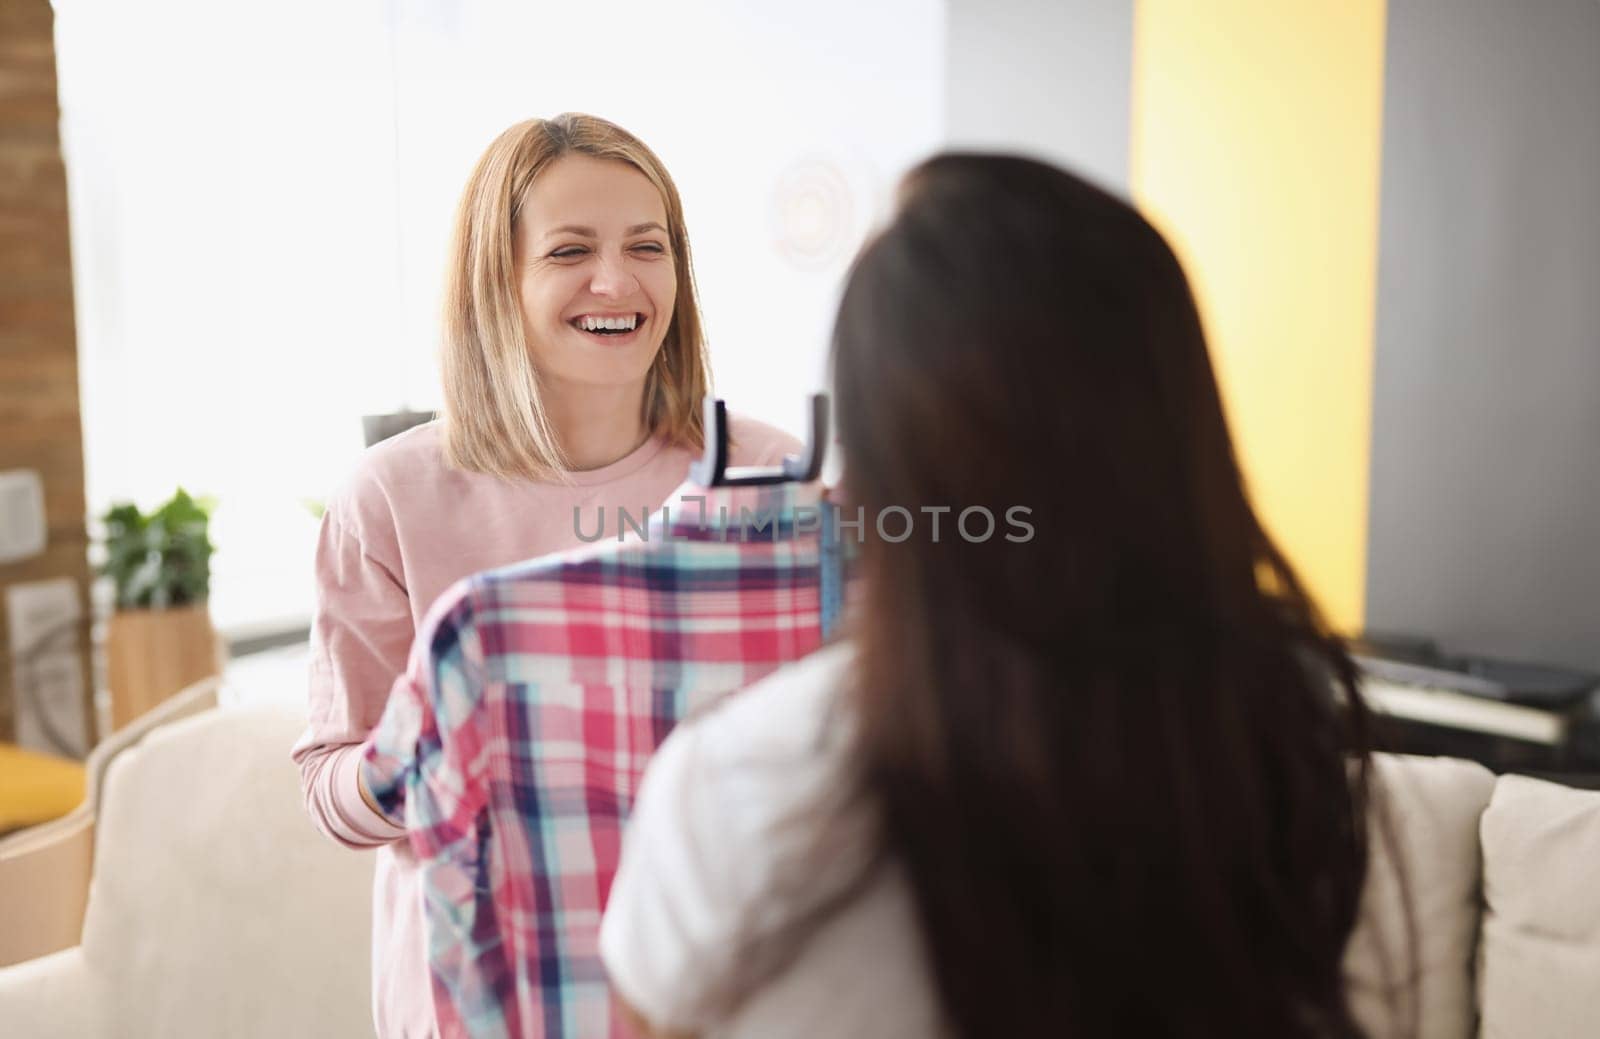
[(44, 886)]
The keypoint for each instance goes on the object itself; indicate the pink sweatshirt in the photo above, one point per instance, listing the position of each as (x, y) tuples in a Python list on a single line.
[(402, 531)]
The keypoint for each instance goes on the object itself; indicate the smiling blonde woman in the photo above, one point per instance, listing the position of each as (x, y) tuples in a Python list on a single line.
[(573, 368), (517, 266)]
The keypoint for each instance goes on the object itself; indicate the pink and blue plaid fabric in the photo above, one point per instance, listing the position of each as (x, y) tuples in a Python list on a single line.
[(514, 744)]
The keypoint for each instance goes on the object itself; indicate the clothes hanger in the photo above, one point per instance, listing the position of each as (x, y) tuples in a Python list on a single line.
[(712, 470)]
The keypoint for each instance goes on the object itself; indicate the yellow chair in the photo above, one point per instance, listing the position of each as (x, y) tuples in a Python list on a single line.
[(36, 787)]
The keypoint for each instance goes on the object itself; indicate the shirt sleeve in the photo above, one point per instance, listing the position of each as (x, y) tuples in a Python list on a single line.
[(360, 635), (397, 752), (426, 765), (425, 762), (745, 832), (672, 919)]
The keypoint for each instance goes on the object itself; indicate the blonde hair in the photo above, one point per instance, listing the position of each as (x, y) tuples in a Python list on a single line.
[(495, 420)]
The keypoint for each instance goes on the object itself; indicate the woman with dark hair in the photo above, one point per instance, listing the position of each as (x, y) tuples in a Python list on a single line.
[(1101, 772)]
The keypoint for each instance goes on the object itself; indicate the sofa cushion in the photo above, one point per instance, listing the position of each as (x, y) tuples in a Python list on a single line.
[(1539, 961), (1432, 808)]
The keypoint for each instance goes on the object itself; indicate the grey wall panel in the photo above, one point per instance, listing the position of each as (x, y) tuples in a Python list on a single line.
[(1049, 78), (1485, 511)]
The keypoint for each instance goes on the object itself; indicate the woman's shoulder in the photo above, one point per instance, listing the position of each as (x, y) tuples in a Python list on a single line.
[(759, 443), (793, 714), (385, 473), (421, 445), (747, 827), (781, 744)]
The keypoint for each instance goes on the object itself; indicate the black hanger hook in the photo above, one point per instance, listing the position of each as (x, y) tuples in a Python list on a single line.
[(712, 469)]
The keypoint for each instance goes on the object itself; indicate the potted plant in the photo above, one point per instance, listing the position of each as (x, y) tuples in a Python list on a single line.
[(160, 639)]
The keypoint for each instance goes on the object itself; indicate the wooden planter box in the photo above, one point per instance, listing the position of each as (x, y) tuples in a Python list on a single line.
[(152, 654)]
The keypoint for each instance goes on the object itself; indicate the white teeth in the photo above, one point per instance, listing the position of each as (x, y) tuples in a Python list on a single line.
[(589, 323)]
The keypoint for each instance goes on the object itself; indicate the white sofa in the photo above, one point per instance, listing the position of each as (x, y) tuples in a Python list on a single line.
[(217, 910), (45, 869)]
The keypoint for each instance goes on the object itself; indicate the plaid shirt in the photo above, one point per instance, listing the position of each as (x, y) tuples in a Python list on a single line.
[(514, 744)]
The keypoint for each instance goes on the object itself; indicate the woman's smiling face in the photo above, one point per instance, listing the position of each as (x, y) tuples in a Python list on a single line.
[(596, 275)]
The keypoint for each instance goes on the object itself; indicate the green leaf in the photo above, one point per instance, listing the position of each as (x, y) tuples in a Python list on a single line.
[(161, 560)]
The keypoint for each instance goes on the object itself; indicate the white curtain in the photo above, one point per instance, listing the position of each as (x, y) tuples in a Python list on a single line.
[(261, 195)]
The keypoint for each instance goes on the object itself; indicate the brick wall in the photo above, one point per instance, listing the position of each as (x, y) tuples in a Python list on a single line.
[(40, 427)]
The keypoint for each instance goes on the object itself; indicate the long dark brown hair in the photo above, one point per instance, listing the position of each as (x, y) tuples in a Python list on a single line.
[(1123, 760)]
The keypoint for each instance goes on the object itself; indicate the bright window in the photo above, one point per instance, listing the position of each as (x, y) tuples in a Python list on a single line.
[(261, 196)]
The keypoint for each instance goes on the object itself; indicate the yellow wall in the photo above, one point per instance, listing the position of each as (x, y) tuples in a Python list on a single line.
[(1255, 149)]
